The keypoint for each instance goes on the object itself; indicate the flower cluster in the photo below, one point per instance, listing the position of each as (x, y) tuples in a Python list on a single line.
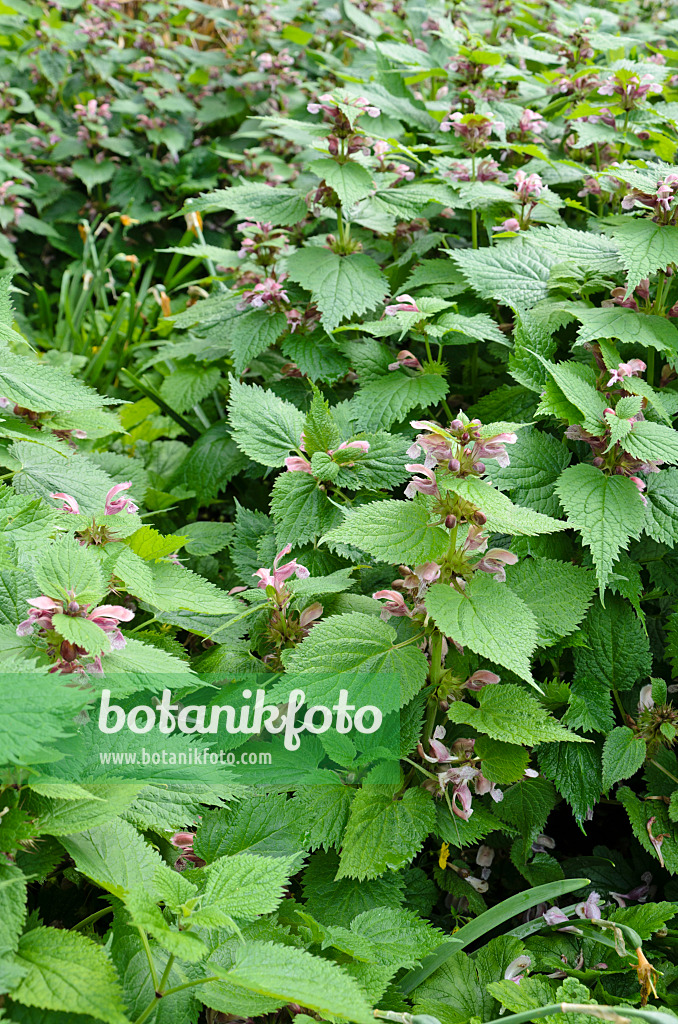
[(269, 292), (70, 657), (112, 503), (285, 626), (473, 129)]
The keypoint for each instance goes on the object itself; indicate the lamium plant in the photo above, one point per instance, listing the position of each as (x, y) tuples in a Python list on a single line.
[(339, 357)]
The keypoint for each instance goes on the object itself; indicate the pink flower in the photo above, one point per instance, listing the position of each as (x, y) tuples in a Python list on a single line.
[(589, 910), (425, 484), (493, 562), (280, 573), (494, 448), (641, 485), (511, 224), (263, 294), (481, 678), (108, 617), (528, 185), (405, 358), (395, 603), (70, 504), (646, 701), (555, 916), (484, 786), (531, 121), (295, 464), (633, 368), (114, 505), (39, 615), (516, 969), (403, 304)]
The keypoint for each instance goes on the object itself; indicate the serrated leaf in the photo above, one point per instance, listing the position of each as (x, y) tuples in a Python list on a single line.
[(389, 399), (661, 511), (68, 973), (508, 713), (489, 618), (617, 650), (82, 632), (384, 833), (300, 509), (341, 286), (515, 273), (392, 531), (351, 181), (650, 442), (344, 648), (575, 769), (265, 427), (570, 378), (149, 544), (251, 334), (629, 326), (42, 387), (502, 515), (607, 511), (286, 974), (188, 385), (502, 763), (255, 201), (245, 885), (115, 856), (67, 567), (644, 247), (623, 755), (558, 593), (537, 460)]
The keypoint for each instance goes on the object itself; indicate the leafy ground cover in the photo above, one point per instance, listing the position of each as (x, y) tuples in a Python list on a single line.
[(339, 342)]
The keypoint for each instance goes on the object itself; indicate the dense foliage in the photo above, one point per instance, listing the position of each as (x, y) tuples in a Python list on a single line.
[(338, 341)]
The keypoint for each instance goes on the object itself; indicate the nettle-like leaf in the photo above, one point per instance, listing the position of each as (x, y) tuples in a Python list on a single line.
[(644, 247), (650, 441), (392, 531), (384, 833), (351, 181), (558, 593), (507, 712), (514, 273), (623, 755), (628, 326), (68, 973), (502, 515), (44, 388), (254, 201), (388, 399), (537, 460), (606, 510), (340, 286), (265, 427), (489, 619)]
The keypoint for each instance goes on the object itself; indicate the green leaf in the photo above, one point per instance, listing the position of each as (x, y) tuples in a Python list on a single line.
[(502, 763), (342, 648), (579, 391), (68, 973), (205, 538), (508, 713), (300, 509), (251, 334), (392, 531), (650, 442), (245, 886), (115, 856), (617, 650), (537, 460), (661, 512), (576, 771), (351, 181), (263, 824), (66, 567), (265, 427), (607, 511), (341, 286), (502, 515), (255, 201), (644, 247), (514, 273), (43, 471), (12, 906), (590, 706), (629, 326), (92, 173), (288, 974), (389, 399), (641, 813), (384, 833), (42, 387), (490, 619), (82, 632), (146, 915), (558, 594), (212, 462), (150, 545), (320, 430), (187, 385), (624, 754)]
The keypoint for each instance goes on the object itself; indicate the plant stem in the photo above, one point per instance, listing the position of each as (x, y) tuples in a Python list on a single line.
[(149, 957), (92, 918)]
